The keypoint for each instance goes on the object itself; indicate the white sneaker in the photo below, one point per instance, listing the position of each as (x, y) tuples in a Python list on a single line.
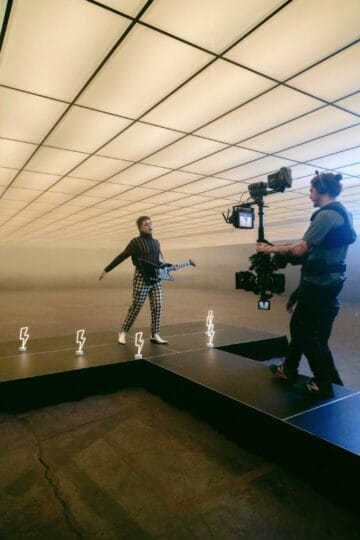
[(122, 338), (155, 338)]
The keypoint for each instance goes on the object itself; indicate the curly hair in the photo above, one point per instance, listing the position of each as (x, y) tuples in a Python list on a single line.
[(140, 220)]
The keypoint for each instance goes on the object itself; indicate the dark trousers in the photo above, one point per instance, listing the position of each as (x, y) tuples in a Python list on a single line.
[(310, 329)]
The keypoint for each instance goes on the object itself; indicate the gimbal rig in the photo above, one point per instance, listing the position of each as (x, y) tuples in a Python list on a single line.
[(261, 278)]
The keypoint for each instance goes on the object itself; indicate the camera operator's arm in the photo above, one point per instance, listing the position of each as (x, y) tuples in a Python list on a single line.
[(298, 249)]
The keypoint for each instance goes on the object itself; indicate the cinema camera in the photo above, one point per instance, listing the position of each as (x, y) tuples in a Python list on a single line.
[(261, 278)]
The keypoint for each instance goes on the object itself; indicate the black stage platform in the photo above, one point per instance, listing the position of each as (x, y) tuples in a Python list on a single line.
[(228, 386)]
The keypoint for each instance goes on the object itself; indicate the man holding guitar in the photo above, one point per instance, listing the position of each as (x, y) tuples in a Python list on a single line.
[(147, 258)]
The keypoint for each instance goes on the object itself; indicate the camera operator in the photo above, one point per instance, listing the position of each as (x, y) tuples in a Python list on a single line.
[(324, 249)]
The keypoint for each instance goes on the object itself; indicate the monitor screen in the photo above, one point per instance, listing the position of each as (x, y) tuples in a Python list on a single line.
[(244, 218)]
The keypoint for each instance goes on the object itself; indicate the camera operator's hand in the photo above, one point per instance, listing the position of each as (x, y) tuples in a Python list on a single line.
[(261, 247)]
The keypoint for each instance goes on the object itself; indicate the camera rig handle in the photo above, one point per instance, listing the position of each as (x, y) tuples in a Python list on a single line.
[(261, 231)]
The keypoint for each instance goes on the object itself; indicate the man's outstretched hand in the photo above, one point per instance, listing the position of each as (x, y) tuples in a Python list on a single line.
[(102, 275)]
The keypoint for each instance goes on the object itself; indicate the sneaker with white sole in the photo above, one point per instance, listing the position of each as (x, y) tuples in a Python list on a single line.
[(280, 373), (122, 338), (155, 338), (314, 389)]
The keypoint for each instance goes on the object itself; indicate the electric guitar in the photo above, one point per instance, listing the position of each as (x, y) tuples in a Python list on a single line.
[(154, 272)]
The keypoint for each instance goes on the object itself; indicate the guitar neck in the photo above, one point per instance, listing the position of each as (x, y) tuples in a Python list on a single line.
[(177, 266)]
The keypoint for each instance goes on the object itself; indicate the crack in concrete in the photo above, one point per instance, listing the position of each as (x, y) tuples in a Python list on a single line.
[(52, 483)]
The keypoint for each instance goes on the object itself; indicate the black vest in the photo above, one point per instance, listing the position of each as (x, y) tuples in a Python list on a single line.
[(342, 235), (338, 236)]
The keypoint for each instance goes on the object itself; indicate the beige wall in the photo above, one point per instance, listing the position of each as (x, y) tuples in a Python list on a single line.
[(37, 268)]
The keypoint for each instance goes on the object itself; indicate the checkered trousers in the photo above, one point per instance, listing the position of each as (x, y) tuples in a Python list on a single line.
[(140, 292)]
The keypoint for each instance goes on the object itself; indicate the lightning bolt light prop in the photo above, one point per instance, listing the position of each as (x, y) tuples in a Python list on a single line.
[(80, 340), (139, 343), (210, 328), (23, 337)]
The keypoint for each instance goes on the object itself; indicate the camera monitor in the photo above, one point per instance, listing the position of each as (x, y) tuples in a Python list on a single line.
[(243, 217)]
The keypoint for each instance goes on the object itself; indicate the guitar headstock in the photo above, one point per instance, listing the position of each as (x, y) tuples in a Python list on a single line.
[(192, 262)]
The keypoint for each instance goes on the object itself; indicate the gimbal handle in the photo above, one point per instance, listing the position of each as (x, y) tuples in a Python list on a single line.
[(261, 232)]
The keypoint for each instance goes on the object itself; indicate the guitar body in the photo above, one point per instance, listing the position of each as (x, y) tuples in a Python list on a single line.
[(164, 274), (153, 272)]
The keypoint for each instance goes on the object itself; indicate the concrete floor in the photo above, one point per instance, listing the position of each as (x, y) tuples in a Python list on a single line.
[(130, 466)]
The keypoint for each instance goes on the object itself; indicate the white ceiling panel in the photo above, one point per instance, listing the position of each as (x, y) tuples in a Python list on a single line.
[(139, 141), (89, 140), (137, 194), (106, 190), (2, 11), (190, 201), (54, 161), (178, 213), (352, 169), (7, 175), (34, 180), (301, 170), (172, 180), (2, 190), (11, 205), (55, 198), (99, 168), (154, 65), (294, 39), (37, 209), (213, 25), (324, 146), (137, 174), (259, 167), (135, 207), (200, 186), (19, 194), (224, 159), (351, 103), (19, 221), (57, 213), (316, 124), (165, 197), (26, 117), (73, 185), (52, 48), (129, 7), (215, 91), (84, 201), (14, 154), (339, 159), (235, 189), (279, 105), (85, 130), (109, 205), (214, 203), (91, 211), (333, 78), (184, 151), (158, 210)]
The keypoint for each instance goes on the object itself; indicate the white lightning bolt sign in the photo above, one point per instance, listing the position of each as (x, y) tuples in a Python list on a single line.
[(210, 328), (23, 336), (209, 320), (139, 343), (80, 340)]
